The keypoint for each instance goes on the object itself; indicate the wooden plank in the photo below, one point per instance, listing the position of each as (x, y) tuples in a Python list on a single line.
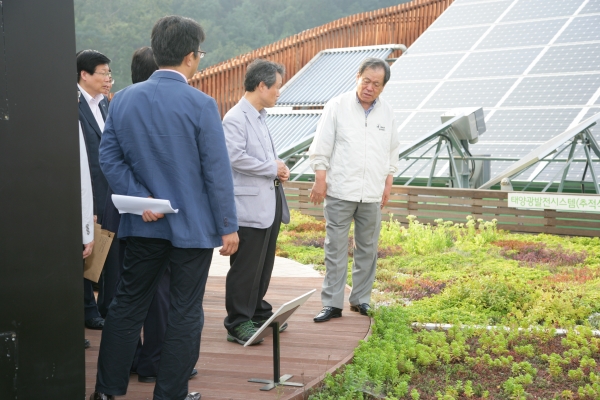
[(308, 350), (434, 191), (453, 200)]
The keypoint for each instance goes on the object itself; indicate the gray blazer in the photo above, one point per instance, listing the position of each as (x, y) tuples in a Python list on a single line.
[(253, 175)]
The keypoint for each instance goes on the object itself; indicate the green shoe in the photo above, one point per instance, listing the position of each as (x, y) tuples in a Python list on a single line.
[(242, 333), (258, 324)]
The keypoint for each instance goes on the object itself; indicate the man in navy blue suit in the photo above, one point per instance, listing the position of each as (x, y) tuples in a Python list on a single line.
[(93, 74), (164, 139)]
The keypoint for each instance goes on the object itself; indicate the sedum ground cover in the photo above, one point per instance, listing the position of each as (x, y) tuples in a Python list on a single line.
[(470, 275)]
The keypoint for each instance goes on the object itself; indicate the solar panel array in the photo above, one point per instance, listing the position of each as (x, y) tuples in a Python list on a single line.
[(533, 65)]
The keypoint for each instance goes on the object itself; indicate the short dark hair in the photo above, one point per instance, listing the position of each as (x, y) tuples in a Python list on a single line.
[(174, 37), (261, 70), (88, 60), (375, 63), (142, 64)]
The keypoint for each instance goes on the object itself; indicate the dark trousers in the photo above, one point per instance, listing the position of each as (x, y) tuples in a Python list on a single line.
[(147, 354), (111, 273), (114, 260), (144, 266), (89, 301), (250, 273)]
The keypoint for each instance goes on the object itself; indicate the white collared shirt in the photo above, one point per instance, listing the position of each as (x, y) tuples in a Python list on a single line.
[(87, 197), (94, 103)]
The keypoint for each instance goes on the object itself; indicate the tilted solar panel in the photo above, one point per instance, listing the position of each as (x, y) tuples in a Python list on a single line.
[(533, 65)]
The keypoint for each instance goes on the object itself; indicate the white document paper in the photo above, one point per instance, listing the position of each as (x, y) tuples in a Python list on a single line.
[(137, 205)]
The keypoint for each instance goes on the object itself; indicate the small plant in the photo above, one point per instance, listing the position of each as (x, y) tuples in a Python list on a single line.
[(535, 253), (470, 274)]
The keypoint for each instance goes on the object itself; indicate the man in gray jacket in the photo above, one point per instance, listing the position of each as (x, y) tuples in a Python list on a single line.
[(259, 200), (354, 155)]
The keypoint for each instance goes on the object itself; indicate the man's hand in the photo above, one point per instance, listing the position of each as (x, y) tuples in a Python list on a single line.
[(95, 218), (283, 172), (319, 189), (230, 244), (87, 249), (386, 191), (149, 216)]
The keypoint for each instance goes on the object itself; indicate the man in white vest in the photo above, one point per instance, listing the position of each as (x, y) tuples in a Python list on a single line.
[(354, 156)]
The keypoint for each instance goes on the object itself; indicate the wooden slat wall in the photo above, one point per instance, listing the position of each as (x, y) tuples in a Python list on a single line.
[(428, 204), (401, 24)]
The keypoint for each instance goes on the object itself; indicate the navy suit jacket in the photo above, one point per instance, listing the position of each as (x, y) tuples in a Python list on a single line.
[(164, 138), (92, 135)]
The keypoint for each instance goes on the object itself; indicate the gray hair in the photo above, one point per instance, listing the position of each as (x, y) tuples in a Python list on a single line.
[(375, 63), (261, 70)]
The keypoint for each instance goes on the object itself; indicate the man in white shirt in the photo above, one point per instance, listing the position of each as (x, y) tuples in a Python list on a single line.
[(87, 204), (87, 199), (93, 74), (354, 155)]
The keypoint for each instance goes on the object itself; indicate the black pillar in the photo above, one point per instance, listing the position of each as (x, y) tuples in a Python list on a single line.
[(41, 296)]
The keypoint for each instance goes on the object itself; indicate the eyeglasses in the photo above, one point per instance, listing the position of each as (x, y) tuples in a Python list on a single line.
[(201, 53), (107, 75)]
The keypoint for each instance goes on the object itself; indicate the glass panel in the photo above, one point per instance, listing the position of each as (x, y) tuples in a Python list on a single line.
[(582, 29), (521, 34), (591, 7), (535, 9), (407, 95), (419, 125), (576, 58), (447, 40), (554, 90), (528, 125), (473, 14), (476, 93), (496, 63), (410, 68)]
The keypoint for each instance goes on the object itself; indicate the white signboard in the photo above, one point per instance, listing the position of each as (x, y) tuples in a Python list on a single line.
[(565, 202)]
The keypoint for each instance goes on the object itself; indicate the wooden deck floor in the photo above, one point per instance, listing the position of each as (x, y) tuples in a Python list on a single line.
[(308, 350)]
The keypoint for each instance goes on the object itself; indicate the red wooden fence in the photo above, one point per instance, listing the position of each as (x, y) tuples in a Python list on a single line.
[(401, 24)]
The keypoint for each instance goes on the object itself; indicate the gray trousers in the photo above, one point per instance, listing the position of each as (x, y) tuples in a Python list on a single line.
[(367, 223)]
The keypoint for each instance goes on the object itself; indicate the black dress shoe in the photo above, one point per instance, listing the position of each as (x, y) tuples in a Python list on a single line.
[(152, 379), (94, 323), (327, 313), (87, 344), (361, 308), (101, 396)]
